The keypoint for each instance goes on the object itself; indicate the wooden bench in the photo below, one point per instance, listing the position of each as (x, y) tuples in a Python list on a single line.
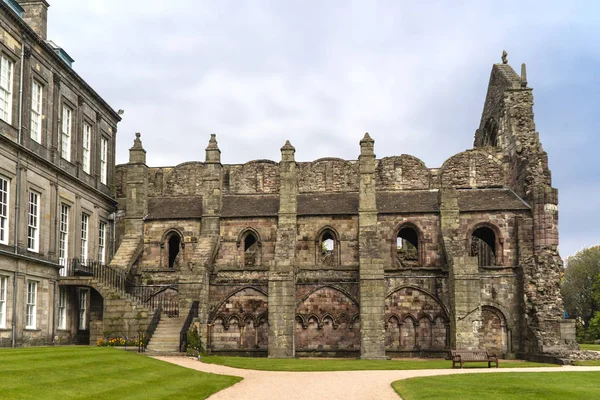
[(459, 357)]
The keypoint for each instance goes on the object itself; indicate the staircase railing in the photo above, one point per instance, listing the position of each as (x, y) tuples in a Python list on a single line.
[(193, 313), (147, 335), (149, 296)]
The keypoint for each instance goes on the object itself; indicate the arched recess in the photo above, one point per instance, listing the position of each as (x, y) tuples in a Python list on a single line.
[(494, 334), (423, 319), (325, 321), (407, 249), (239, 320), (486, 243), (249, 245), (327, 247), (172, 249)]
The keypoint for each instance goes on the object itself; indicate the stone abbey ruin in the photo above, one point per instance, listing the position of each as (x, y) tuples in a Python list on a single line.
[(370, 257)]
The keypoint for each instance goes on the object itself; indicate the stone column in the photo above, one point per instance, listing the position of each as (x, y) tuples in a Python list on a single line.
[(56, 118), (137, 189), (282, 285), (465, 293), (372, 283), (194, 279)]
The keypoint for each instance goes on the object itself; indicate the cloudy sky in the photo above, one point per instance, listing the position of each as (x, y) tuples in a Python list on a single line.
[(321, 73)]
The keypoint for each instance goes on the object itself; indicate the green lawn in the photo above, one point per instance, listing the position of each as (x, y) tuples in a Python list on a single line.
[(311, 364), (99, 373), (595, 347), (512, 386)]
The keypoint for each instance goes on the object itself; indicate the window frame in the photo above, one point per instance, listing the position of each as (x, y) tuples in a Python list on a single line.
[(62, 308), (33, 222), (85, 230), (63, 234), (86, 147), (102, 242), (36, 114), (3, 296), (4, 209), (31, 305), (6, 91), (103, 160), (66, 130), (82, 320)]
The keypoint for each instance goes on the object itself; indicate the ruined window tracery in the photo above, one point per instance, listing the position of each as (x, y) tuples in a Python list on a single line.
[(483, 246), (407, 247), (249, 246), (327, 248)]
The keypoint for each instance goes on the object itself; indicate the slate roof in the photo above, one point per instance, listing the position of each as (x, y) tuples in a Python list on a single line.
[(490, 200), (240, 205), (174, 207), (412, 201), (328, 203)]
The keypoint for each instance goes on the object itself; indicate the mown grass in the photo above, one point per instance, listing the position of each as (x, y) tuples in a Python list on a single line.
[(311, 364), (512, 386), (99, 373), (594, 347)]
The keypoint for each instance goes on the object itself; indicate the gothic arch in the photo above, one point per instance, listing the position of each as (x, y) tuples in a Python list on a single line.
[(230, 295), (496, 244), (334, 287), (410, 233), (438, 301), (494, 334), (172, 246), (323, 255), (249, 247)]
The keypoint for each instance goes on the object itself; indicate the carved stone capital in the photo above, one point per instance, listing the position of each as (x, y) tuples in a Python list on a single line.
[(80, 100), (56, 78), (27, 52), (98, 118)]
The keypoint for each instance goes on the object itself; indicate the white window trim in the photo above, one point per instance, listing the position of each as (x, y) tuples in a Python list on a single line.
[(7, 68), (33, 222), (63, 236), (65, 133), (62, 308), (85, 223), (102, 242), (83, 297), (31, 307), (103, 160), (4, 209), (87, 140), (36, 113), (3, 291)]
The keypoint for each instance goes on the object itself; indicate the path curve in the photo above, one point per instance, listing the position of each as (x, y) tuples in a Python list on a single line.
[(336, 385)]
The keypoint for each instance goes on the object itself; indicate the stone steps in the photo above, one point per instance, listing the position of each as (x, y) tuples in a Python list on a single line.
[(166, 336)]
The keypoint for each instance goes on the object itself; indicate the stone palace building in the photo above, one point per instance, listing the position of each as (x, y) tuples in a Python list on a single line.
[(368, 257)]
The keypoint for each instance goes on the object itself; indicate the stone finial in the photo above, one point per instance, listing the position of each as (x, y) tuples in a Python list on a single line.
[(137, 154), (287, 152), (367, 146), (523, 75), (213, 153), (504, 57)]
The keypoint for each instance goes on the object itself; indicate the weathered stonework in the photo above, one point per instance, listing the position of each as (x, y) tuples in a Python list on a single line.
[(366, 257)]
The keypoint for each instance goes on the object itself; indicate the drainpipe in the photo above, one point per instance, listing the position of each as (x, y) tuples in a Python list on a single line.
[(14, 312), (17, 198), (54, 314)]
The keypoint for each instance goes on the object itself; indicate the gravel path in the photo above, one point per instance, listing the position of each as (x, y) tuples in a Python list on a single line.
[(342, 385)]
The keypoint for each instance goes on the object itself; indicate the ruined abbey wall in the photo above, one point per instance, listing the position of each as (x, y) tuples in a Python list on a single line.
[(369, 257)]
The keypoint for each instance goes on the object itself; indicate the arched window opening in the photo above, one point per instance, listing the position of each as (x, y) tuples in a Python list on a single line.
[(327, 248), (483, 246), (250, 249), (490, 134), (407, 247), (174, 247)]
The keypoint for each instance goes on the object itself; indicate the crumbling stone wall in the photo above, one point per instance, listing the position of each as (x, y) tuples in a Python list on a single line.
[(364, 295)]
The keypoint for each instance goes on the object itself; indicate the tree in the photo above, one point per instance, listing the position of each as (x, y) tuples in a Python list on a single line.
[(581, 285)]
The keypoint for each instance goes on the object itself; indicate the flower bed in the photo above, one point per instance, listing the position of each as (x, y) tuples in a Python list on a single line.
[(117, 342)]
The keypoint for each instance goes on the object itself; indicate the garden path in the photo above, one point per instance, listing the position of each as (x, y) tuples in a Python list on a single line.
[(342, 385)]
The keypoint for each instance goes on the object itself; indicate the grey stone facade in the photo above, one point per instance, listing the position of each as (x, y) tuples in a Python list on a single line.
[(30, 271), (369, 257)]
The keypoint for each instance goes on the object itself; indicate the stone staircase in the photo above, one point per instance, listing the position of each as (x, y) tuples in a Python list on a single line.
[(131, 247), (166, 336)]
